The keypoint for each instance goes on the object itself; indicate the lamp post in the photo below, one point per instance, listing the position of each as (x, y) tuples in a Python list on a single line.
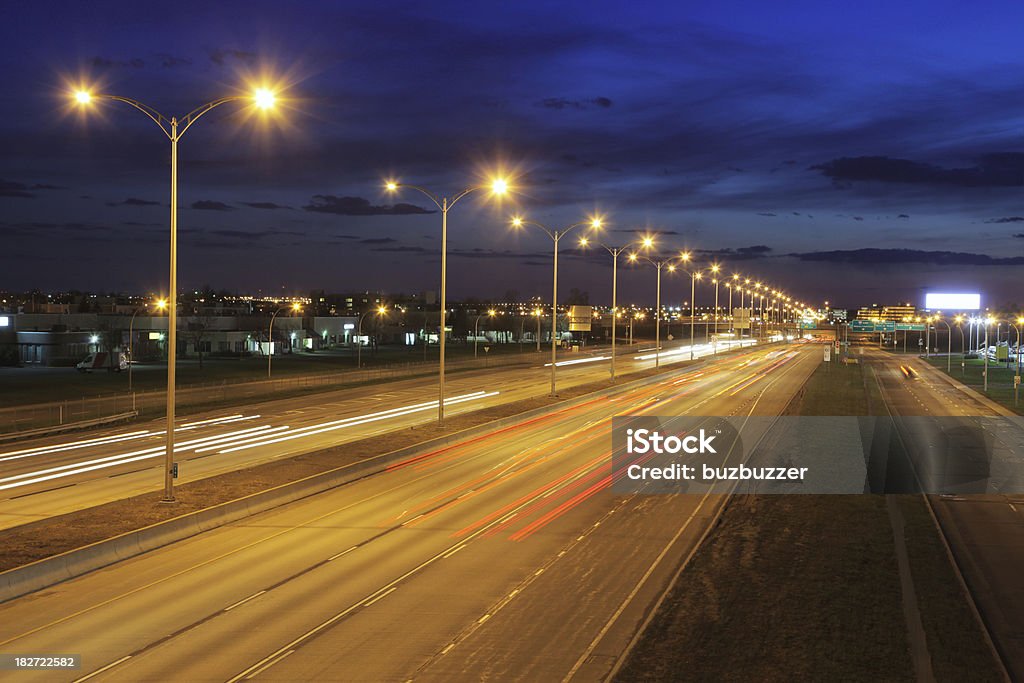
[(714, 278), (497, 187), (949, 354), (963, 348), (174, 129), (160, 305), (537, 314), (695, 275), (476, 327), (645, 243), (380, 310), (987, 321), (658, 265), (295, 307), (555, 235)]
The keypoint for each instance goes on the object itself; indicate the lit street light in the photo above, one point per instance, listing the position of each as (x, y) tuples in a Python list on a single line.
[(294, 308), (497, 187), (476, 327), (555, 235), (174, 129), (644, 243), (380, 310), (658, 265), (160, 305)]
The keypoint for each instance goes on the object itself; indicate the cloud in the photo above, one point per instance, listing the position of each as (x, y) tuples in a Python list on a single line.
[(210, 205), (766, 213), (563, 103), (9, 188), (902, 256), (377, 240), (1007, 219), (1004, 169), (646, 231), (106, 62), (134, 201), (1020, 235), (404, 249), (169, 61), (357, 206), (221, 57), (739, 254), (265, 205)]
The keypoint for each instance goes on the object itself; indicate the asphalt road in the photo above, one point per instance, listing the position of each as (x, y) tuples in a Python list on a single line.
[(47, 477), (985, 531), (505, 558)]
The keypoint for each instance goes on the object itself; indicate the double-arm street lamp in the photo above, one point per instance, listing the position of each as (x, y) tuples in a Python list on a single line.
[(380, 310), (695, 275), (669, 264), (555, 235), (294, 308), (476, 327), (644, 243), (497, 187), (174, 128)]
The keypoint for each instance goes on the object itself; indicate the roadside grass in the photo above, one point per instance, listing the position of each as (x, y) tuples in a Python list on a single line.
[(1000, 378), (807, 587)]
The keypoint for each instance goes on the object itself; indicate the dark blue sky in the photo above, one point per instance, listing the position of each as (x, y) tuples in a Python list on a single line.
[(812, 131)]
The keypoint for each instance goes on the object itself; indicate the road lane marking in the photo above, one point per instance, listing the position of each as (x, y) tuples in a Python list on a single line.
[(342, 553), (381, 596), (244, 600), (97, 672)]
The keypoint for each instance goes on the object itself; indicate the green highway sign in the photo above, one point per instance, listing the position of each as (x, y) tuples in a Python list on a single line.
[(872, 326), (910, 327)]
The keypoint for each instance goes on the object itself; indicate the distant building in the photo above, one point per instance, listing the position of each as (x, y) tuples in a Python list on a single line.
[(894, 313)]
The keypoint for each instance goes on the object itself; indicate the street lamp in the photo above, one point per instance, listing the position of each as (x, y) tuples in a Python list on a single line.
[(174, 129), (380, 310), (714, 278), (658, 265), (537, 313), (476, 327), (963, 348), (497, 187), (294, 308), (644, 243), (160, 305), (555, 235)]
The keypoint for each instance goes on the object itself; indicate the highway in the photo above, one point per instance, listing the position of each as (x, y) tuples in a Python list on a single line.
[(52, 476), (505, 557), (985, 531)]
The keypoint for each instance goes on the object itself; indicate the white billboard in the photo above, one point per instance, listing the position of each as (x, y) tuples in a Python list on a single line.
[(944, 301)]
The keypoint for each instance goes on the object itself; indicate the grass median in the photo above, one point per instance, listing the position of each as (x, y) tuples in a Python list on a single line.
[(807, 587)]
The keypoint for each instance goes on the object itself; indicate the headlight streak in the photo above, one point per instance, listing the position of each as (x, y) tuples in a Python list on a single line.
[(116, 438), (697, 348), (120, 459), (363, 419), (578, 361)]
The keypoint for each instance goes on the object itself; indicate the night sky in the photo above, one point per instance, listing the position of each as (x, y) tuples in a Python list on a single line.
[(857, 152)]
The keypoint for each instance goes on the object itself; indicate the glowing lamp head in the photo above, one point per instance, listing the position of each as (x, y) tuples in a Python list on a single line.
[(697, 276), (715, 268), (160, 304), (296, 306), (632, 258), (83, 97), (584, 241), (391, 186), (381, 310), (648, 242), (263, 98), (671, 267), (684, 256), (517, 222), (492, 313), (499, 186), (595, 223)]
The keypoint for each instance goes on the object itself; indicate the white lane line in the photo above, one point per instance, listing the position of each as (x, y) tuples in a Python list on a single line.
[(97, 672), (452, 552), (244, 600), (381, 596), (342, 553), (269, 664)]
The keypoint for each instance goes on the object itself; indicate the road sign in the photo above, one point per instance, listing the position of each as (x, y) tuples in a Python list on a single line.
[(828, 353)]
